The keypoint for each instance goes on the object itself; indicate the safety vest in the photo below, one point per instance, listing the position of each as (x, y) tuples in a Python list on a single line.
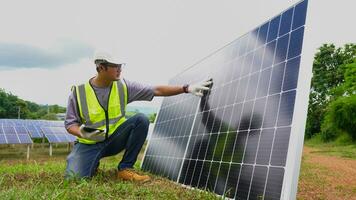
[(94, 115)]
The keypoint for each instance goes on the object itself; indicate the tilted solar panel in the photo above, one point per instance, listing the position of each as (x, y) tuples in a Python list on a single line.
[(235, 140)]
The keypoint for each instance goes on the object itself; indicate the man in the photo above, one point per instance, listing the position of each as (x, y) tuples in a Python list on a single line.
[(96, 116)]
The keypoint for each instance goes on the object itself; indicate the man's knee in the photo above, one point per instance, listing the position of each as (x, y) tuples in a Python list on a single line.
[(142, 119), (79, 166)]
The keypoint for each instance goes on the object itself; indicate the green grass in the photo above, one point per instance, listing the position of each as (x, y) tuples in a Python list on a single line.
[(42, 178), (341, 147), (310, 179)]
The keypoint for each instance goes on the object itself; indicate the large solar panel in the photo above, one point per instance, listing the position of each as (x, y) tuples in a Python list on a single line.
[(14, 135), (234, 141)]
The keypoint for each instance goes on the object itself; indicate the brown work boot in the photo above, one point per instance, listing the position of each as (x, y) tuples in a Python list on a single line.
[(131, 175)]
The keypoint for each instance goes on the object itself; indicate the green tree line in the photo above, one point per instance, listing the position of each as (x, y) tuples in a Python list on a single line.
[(11, 105), (332, 100)]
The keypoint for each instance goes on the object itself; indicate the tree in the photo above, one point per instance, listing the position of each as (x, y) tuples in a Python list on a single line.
[(329, 67), (10, 105), (340, 118)]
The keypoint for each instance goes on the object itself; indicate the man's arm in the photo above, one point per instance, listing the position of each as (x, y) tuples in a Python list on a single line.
[(72, 121), (167, 90), (195, 89), (74, 130)]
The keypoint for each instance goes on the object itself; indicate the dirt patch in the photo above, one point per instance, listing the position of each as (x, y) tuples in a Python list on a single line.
[(326, 177)]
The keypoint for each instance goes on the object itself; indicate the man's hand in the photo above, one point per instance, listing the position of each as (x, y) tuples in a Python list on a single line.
[(96, 135), (198, 89)]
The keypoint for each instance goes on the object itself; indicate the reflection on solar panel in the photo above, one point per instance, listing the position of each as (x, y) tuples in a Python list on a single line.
[(235, 140)]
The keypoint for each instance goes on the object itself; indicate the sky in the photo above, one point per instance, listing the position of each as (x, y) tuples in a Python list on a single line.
[(47, 46)]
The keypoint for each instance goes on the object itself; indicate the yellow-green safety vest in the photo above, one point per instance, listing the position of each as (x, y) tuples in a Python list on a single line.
[(94, 115)]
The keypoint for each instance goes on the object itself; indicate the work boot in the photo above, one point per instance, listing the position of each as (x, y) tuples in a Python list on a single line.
[(131, 175)]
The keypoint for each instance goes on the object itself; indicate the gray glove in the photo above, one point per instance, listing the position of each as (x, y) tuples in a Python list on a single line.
[(96, 135), (199, 88)]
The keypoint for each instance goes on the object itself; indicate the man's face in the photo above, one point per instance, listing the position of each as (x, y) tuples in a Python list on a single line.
[(112, 72)]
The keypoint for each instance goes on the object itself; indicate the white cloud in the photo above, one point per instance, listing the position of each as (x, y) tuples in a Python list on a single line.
[(157, 38)]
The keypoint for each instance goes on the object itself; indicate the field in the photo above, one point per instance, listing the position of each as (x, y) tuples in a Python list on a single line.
[(324, 175)]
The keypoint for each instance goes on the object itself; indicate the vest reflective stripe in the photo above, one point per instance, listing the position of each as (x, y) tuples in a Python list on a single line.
[(95, 116), (83, 103), (120, 86)]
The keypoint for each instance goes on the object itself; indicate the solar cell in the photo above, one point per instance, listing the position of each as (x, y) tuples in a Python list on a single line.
[(57, 134), (9, 130), (21, 130), (3, 139), (12, 139), (51, 138), (34, 131), (235, 140), (25, 139)]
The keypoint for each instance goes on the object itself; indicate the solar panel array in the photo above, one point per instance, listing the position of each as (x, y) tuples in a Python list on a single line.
[(18, 131), (234, 141)]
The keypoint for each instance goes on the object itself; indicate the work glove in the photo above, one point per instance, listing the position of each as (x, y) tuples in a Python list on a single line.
[(96, 135), (199, 88)]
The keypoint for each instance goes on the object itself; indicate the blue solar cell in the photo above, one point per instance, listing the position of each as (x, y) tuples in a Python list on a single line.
[(273, 28), (51, 138), (263, 83), (276, 79), (265, 147), (25, 139), (62, 138), (34, 132), (291, 74), (262, 34), (9, 130), (2, 139), (281, 49), (274, 183), (300, 12), (269, 55), (271, 112), (46, 130), (20, 130), (244, 182), (12, 139), (286, 21), (251, 146), (280, 146), (296, 42), (285, 114), (258, 182)]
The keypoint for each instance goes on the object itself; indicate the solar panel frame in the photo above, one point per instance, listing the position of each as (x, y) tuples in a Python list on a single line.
[(278, 101)]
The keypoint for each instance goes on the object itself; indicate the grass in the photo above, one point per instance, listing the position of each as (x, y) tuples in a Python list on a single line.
[(341, 147), (42, 178), (310, 180)]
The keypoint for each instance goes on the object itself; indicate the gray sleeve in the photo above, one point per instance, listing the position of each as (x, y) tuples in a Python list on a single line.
[(72, 114), (139, 92)]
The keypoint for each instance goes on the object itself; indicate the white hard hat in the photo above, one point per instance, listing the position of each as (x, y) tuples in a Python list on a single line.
[(101, 57)]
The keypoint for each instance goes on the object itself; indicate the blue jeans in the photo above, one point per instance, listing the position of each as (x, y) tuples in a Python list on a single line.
[(84, 159)]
